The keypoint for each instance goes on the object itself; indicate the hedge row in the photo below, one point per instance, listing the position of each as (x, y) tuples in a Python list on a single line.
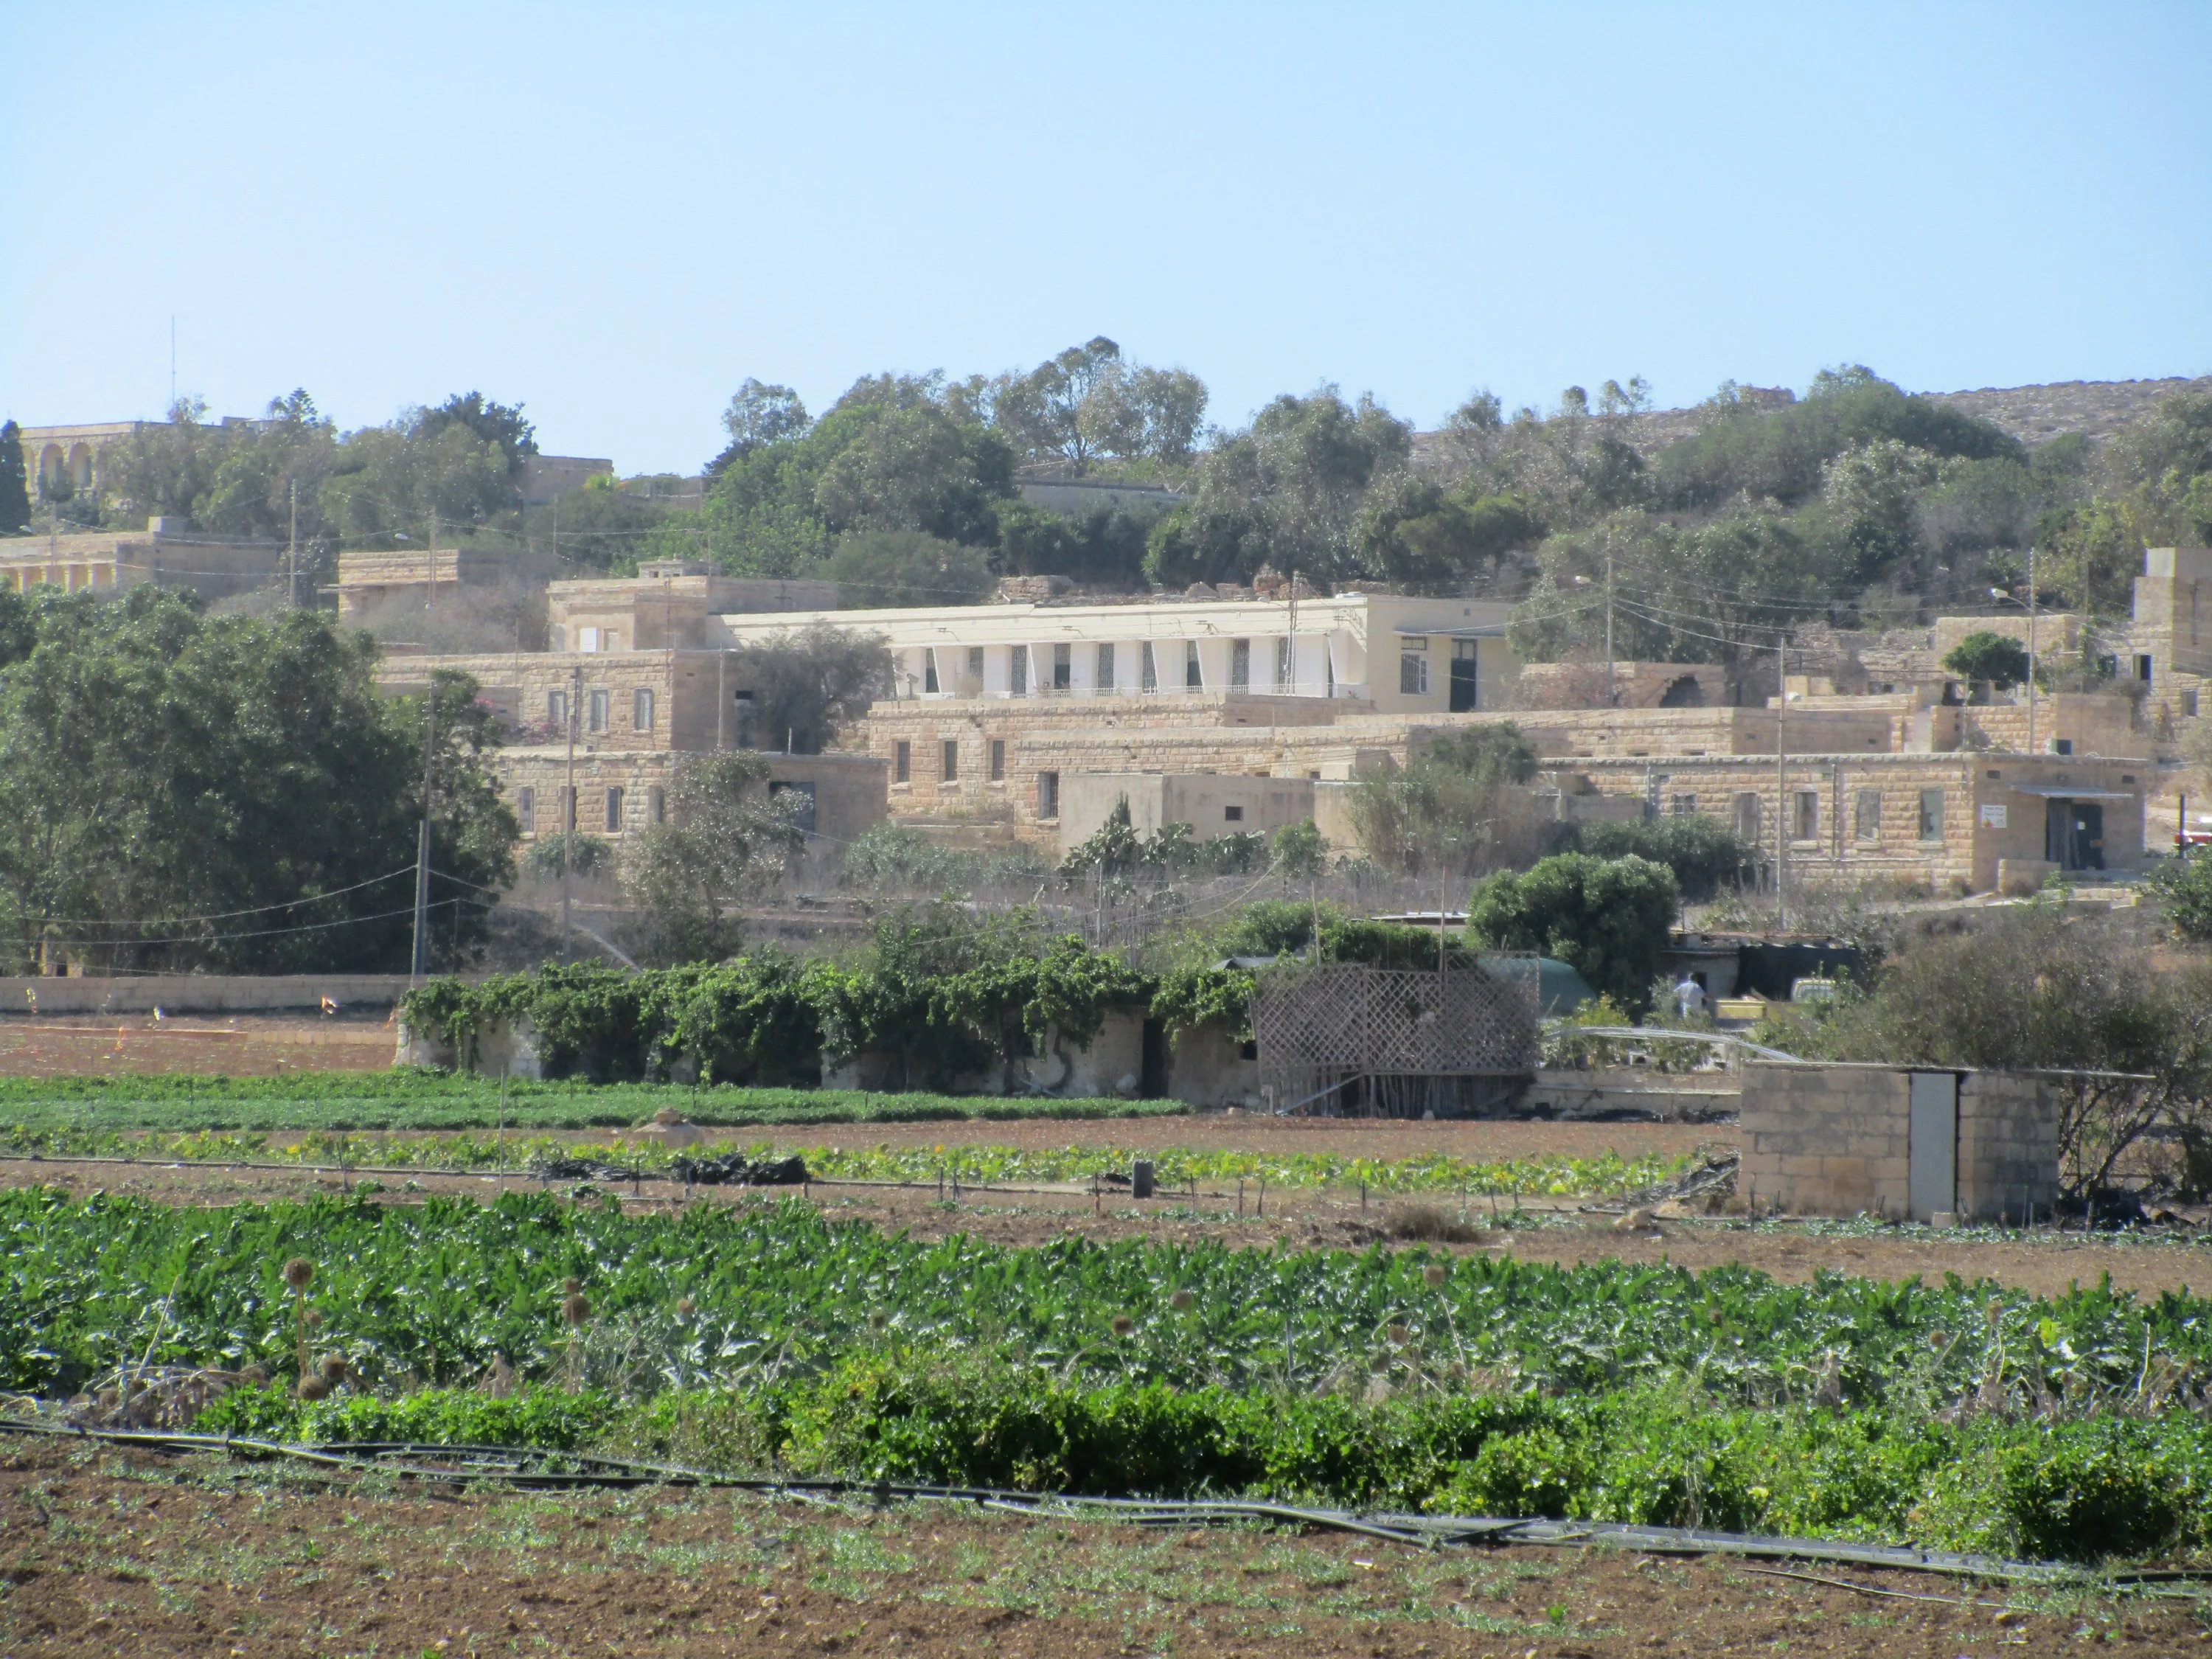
[(2108, 1486), (949, 997)]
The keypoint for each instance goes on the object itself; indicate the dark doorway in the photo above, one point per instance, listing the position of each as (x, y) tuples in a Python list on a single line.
[(1153, 1080), (1687, 692), (1464, 686), (2074, 835)]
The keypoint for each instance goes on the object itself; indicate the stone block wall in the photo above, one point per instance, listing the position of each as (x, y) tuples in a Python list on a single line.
[(1825, 1139), (2008, 1146), (528, 688), (1834, 1139)]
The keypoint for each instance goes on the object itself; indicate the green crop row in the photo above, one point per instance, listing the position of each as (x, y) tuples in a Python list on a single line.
[(433, 1293), (2112, 1485), (414, 1098), (1607, 1175)]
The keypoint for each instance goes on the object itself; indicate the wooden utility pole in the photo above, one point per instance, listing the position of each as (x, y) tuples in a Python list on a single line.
[(2032, 748), (420, 962), (568, 812), (1781, 792), (432, 597), (295, 557), (1610, 693)]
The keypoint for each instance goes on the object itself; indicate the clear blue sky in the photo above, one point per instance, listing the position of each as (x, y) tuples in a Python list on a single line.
[(613, 214)]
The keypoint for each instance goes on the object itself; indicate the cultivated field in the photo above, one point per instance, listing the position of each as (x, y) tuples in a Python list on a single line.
[(1459, 1318)]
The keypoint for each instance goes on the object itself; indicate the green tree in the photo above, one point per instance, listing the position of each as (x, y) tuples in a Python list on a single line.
[(1298, 852), (1997, 658), (758, 416), (1409, 530), (1703, 853), (804, 685), (1607, 918), (15, 485), (1453, 806), (728, 839), (878, 569), (1286, 493), (501, 425), (1086, 405), (239, 783)]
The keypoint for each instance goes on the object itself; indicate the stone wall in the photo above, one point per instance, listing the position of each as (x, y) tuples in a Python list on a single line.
[(848, 791), (531, 687), (1835, 1140), (2008, 1146)]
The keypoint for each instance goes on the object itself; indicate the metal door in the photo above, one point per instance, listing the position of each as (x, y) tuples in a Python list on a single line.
[(1464, 686), (1932, 1176)]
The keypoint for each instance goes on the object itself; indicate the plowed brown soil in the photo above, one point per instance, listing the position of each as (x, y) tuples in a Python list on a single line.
[(250, 1045), (106, 1553)]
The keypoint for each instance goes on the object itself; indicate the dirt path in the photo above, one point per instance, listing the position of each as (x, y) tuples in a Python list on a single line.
[(105, 1554), (2045, 1263), (205, 1045)]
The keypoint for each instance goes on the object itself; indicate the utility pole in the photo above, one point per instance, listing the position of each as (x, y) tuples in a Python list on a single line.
[(1781, 793), (568, 811), (419, 964), (1293, 591), (432, 599), (2032, 748), (1609, 620), (294, 555)]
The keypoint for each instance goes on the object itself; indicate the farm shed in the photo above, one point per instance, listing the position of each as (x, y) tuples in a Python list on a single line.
[(1841, 1139)]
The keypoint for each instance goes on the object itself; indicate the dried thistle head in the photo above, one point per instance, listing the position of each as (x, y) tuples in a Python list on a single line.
[(1433, 1275), (575, 1310), (1122, 1324), (299, 1273), (1939, 1341), (1995, 1312), (685, 1307), (572, 1287), (253, 1374), (310, 1318), (1400, 1334), (1182, 1302), (335, 1368), (313, 1387)]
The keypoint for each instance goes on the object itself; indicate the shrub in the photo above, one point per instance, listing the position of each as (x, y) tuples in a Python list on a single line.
[(1983, 655), (1608, 918), (1705, 853)]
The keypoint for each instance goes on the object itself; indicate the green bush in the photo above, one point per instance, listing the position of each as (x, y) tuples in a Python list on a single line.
[(1705, 854), (1984, 655), (1607, 918)]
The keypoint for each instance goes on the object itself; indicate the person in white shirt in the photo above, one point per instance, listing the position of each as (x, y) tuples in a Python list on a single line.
[(1690, 997)]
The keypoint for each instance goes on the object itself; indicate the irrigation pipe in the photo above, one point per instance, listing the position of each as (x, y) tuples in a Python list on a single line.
[(530, 1469)]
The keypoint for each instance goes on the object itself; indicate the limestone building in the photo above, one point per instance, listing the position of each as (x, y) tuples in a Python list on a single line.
[(166, 553)]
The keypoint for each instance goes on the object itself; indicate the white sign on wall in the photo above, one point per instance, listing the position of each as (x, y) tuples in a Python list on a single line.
[(1993, 815)]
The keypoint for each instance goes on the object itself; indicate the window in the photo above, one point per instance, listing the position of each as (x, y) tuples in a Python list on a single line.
[(951, 772), (1685, 806), (1048, 794), (902, 763), (928, 669), (976, 665), (1148, 668), (1193, 678), (998, 760), (656, 804), (641, 709), (1805, 818), (741, 717), (2062, 746), (1285, 665), (1063, 667), (526, 807), (557, 710), (796, 797), (595, 719), (1018, 671), (2189, 700), (1414, 667), (1866, 822), (614, 808), (609, 641), (1104, 679), (587, 639), (1931, 815), (1746, 815), (1240, 664), (2143, 669), (1232, 814)]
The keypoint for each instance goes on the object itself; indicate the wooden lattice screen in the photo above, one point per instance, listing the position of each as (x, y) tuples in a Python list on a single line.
[(1394, 1041)]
